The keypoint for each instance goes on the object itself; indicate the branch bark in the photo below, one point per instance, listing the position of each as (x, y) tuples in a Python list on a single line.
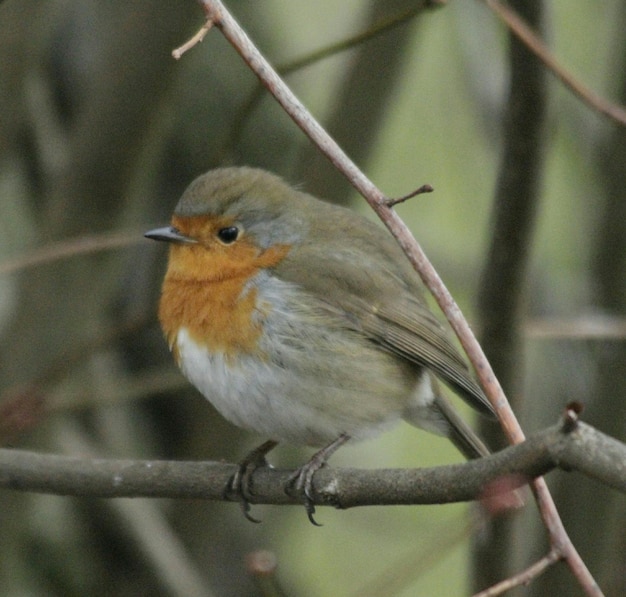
[(582, 448)]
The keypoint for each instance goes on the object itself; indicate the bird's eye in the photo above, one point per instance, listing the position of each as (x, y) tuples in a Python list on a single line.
[(229, 234)]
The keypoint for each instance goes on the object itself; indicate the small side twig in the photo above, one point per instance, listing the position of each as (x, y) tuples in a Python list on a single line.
[(524, 577), (194, 40), (570, 416), (425, 188)]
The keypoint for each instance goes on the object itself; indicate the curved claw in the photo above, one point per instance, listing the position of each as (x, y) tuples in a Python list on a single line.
[(239, 485), (238, 488), (245, 510), (309, 508), (300, 483)]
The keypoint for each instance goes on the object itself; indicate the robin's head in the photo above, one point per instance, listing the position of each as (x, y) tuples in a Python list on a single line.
[(228, 204), (228, 219)]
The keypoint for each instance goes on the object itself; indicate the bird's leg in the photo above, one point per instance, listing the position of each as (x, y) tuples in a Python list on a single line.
[(239, 484), (301, 482)]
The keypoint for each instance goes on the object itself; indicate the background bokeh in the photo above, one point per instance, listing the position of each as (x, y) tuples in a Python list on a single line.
[(100, 132)]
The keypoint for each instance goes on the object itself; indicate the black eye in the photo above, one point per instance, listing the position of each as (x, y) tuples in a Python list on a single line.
[(229, 234)]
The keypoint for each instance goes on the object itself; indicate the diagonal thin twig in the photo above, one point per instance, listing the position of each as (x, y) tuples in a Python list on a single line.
[(221, 18), (524, 577), (64, 249), (216, 12), (536, 45)]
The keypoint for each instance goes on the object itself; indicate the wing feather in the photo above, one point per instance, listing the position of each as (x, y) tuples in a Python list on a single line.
[(410, 330), (380, 298)]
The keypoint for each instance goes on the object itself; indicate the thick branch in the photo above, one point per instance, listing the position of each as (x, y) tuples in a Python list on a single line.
[(583, 449)]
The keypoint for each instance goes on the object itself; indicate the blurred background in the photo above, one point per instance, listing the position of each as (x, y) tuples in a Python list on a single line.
[(100, 132)]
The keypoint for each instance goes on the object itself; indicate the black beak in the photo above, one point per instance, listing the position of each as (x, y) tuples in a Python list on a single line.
[(170, 235)]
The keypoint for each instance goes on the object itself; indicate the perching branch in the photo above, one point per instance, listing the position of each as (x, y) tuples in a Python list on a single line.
[(581, 448)]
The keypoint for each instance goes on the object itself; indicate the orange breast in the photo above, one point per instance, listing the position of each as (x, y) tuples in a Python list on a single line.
[(207, 291)]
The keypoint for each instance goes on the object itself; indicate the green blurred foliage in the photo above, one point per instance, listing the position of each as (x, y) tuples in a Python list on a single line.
[(100, 131)]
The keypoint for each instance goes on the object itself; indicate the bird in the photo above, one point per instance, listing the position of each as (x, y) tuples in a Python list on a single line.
[(304, 322)]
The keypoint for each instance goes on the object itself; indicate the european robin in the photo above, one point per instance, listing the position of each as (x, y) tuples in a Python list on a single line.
[(303, 321)]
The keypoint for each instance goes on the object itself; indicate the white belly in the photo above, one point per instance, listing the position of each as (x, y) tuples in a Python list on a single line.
[(318, 379), (272, 401)]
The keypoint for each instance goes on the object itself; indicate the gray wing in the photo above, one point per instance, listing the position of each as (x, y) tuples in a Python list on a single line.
[(408, 328), (386, 306)]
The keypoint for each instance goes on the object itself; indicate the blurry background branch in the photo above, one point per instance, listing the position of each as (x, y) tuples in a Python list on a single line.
[(518, 26), (504, 280), (71, 248), (100, 130)]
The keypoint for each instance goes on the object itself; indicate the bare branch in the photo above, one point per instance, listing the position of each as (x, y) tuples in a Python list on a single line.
[(425, 188), (524, 577), (535, 45), (583, 449), (82, 245), (194, 40)]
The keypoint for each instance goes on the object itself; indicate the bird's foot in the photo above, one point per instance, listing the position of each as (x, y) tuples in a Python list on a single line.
[(239, 486), (300, 483)]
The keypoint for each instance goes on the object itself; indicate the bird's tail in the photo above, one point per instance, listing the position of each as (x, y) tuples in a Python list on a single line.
[(459, 432), (438, 415)]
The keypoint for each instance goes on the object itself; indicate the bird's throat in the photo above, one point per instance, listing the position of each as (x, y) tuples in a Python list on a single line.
[(218, 307)]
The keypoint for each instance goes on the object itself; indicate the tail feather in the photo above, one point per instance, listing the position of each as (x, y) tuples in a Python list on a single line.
[(431, 410), (459, 432)]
